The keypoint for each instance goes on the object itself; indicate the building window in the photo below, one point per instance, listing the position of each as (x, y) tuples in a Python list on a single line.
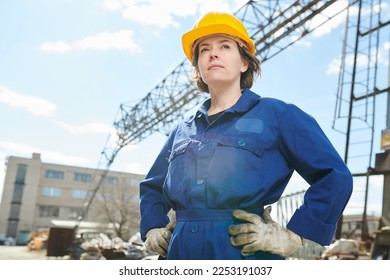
[(21, 174), (54, 174), (110, 180), (49, 211), (79, 194), (51, 192), (83, 177)]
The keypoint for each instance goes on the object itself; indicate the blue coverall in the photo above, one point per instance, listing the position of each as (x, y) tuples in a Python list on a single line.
[(243, 160)]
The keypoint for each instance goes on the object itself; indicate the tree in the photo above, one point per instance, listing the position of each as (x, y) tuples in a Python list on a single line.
[(117, 203)]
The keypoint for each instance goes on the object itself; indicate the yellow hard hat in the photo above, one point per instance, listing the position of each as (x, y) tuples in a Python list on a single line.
[(215, 23)]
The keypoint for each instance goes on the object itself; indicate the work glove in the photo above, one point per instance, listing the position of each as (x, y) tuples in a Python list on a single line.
[(157, 239), (262, 234)]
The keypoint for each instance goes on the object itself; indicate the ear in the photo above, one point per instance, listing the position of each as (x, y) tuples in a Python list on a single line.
[(197, 73), (245, 65)]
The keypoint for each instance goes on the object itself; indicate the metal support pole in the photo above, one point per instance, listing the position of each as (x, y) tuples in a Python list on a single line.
[(352, 97), (385, 219), (365, 233)]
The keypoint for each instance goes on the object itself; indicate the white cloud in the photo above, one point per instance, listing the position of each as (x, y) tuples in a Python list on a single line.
[(60, 47), (334, 67), (121, 40), (158, 13), (301, 42), (36, 106), (336, 12), (362, 60), (112, 5), (162, 13), (47, 155), (154, 16), (333, 12), (87, 128), (136, 168), (220, 5), (383, 55)]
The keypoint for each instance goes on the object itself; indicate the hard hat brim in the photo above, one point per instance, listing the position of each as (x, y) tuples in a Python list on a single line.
[(189, 38)]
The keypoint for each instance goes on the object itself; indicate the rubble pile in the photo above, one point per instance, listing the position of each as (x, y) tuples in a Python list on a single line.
[(38, 240), (102, 247), (345, 249)]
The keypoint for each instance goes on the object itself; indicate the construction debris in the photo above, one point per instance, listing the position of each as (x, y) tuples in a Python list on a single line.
[(38, 240), (345, 249), (101, 247)]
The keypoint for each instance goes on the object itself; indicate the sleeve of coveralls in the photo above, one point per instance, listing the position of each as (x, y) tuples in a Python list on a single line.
[(312, 155), (153, 206)]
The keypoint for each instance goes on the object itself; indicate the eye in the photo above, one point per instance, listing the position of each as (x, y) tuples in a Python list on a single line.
[(225, 46), (204, 49)]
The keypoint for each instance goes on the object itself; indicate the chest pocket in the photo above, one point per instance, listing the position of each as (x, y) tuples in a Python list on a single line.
[(236, 171), (178, 149), (255, 147)]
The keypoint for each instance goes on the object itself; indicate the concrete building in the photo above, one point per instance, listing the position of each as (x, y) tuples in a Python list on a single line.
[(40, 195)]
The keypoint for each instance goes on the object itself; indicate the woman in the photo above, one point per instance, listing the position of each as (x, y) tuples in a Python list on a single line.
[(222, 166)]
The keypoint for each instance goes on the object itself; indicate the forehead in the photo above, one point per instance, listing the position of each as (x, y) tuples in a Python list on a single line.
[(214, 37)]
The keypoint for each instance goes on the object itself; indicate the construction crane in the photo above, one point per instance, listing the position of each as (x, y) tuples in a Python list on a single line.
[(273, 25)]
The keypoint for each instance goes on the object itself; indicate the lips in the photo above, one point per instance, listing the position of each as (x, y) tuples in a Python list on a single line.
[(214, 66)]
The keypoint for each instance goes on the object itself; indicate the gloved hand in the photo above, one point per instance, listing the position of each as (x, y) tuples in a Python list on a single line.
[(157, 239), (262, 234)]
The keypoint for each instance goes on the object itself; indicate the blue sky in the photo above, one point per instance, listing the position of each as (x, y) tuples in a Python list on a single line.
[(67, 65)]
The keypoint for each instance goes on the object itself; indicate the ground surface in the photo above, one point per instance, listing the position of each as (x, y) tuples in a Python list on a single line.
[(21, 253)]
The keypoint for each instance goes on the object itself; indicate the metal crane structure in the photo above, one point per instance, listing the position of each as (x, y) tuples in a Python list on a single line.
[(274, 25), (359, 88)]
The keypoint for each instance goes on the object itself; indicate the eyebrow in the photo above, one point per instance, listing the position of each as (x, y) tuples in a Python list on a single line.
[(219, 42)]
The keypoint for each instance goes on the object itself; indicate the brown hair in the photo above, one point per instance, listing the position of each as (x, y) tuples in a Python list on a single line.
[(247, 78)]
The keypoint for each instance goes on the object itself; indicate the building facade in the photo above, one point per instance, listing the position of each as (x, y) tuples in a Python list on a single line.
[(36, 193)]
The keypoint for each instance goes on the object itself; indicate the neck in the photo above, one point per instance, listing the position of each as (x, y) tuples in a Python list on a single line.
[(222, 99)]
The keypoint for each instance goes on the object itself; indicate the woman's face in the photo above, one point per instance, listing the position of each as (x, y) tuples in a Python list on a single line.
[(219, 61)]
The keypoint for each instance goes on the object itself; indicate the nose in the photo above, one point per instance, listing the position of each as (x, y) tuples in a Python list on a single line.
[(213, 56), (213, 53)]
